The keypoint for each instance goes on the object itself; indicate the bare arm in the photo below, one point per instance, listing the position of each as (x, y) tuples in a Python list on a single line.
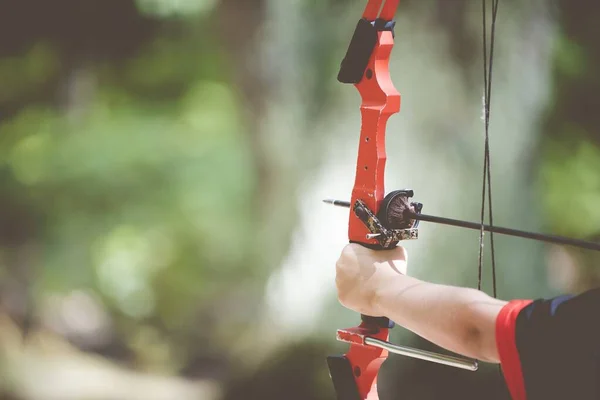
[(461, 320)]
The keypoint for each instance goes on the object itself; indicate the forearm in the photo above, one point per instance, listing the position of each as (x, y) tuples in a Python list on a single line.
[(459, 319)]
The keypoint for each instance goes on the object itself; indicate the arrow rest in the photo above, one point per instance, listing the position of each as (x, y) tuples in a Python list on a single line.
[(387, 236), (396, 210)]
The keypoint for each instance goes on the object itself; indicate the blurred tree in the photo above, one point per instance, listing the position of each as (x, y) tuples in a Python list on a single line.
[(114, 123), (571, 151), (154, 154)]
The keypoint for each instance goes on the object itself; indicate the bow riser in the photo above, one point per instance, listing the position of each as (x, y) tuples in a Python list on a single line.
[(380, 100), (367, 66)]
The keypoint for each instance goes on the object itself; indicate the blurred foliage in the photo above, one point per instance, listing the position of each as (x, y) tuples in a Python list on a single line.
[(137, 184), (570, 153), (131, 177), (167, 8)]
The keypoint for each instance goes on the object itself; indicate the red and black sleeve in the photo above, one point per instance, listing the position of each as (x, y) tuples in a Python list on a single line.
[(550, 349)]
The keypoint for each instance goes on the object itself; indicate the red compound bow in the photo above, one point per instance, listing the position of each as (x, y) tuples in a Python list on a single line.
[(381, 222), (366, 65)]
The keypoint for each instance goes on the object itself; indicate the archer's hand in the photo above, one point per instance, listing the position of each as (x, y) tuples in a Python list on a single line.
[(361, 273)]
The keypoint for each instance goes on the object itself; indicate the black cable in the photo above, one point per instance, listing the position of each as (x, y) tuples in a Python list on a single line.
[(487, 178)]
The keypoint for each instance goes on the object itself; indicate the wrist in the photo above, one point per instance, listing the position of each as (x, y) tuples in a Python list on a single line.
[(385, 293)]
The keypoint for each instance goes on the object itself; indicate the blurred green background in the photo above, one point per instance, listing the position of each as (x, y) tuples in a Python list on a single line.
[(162, 164)]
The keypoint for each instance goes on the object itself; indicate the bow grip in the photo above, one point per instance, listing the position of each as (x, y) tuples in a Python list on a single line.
[(379, 322), (375, 323)]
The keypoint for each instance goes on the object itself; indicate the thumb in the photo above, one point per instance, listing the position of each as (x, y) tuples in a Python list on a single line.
[(398, 253), (396, 258)]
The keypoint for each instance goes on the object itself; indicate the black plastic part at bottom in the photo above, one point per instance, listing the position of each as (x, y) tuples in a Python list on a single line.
[(379, 322), (342, 377)]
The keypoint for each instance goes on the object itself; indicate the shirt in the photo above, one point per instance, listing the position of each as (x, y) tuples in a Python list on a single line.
[(550, 349)]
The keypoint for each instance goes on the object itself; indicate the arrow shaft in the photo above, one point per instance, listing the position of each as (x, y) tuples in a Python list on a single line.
[(556, 239)]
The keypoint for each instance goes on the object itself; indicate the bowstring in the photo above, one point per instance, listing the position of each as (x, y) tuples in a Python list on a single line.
[(487, 177)]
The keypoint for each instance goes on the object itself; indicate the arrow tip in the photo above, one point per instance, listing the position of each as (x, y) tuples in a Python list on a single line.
[(339, 203)]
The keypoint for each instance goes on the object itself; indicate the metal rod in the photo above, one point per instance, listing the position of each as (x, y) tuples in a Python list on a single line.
[(451, 361), (584, 244)]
